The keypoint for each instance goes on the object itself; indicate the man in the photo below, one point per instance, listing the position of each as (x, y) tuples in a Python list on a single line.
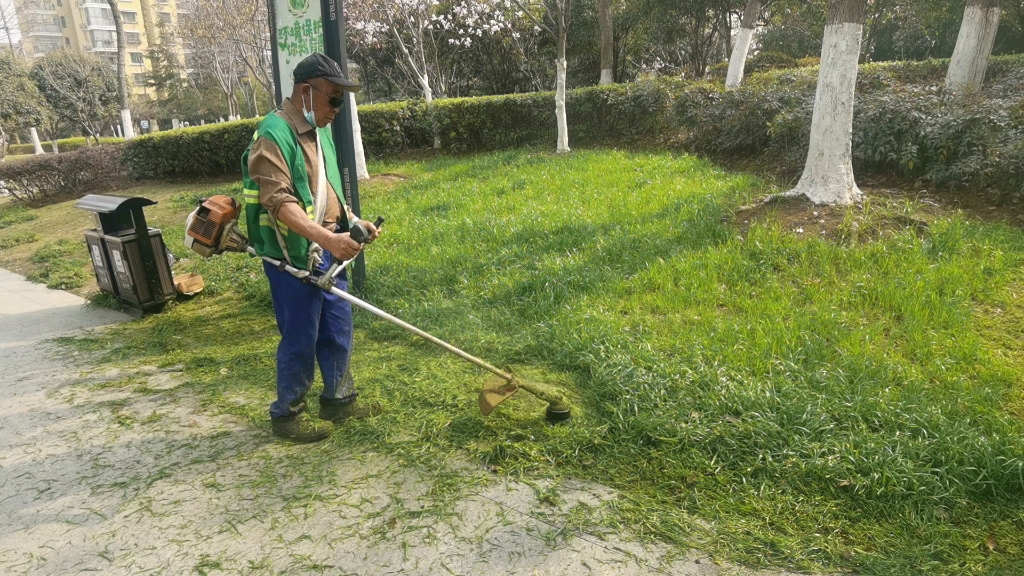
[(296, 212)]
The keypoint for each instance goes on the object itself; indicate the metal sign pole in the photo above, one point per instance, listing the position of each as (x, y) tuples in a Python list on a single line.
[(274, 60), (298, 28), (334, 48)]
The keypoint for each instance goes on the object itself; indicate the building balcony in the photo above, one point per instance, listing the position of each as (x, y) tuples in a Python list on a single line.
[(45, 33), (45, 7)]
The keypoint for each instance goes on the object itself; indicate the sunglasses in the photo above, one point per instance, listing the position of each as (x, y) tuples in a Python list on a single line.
[(335, 103)]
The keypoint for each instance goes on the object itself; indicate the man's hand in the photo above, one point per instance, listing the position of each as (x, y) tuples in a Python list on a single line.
[(341, 246), (374, 232)]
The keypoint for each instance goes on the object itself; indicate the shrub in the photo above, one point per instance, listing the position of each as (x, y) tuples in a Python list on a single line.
[(394, 127), (765, 61), (63, 145), (53, 177), (188, 152), (735, 121)]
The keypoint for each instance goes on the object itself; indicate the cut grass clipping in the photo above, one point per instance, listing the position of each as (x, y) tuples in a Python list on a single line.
[(63, 264), (773, 399)]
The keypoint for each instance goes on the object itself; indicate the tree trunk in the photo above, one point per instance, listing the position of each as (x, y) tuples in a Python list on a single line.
[(974, 44), (563, 126), (36, 146), (604, 16), (738, 59), (53, 144), (122, 77), (357, 140), (828, 173), (428, 95)]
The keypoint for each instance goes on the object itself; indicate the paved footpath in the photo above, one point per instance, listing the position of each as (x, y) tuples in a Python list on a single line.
[(122, 472)]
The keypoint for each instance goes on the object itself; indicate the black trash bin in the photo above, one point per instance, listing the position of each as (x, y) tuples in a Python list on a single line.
[(136, 272)]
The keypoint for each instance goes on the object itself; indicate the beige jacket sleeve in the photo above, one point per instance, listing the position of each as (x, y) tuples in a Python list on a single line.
[(269, 170)]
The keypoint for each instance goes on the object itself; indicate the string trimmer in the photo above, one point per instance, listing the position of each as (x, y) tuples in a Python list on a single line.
[(213, 229)]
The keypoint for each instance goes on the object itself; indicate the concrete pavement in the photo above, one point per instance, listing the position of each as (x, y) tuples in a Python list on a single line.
[(124, 472)]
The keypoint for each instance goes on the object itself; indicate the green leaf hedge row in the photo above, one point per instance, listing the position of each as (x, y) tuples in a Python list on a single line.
[(609, 115), (905, 123), (63, 145)]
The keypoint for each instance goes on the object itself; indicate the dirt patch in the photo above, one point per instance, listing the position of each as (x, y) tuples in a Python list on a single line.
[(885, 210), (800, 216), (388, 178)]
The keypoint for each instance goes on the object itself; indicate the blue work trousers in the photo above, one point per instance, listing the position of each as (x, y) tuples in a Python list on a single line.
[(315, 326)]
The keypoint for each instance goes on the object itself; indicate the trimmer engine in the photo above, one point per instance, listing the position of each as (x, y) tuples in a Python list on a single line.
[(212, 228)]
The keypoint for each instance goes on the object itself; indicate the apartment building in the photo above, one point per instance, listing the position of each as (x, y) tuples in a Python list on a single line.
[(88, 26)]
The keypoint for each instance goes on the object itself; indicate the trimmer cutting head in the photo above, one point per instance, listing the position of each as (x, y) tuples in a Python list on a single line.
[(498, 390)]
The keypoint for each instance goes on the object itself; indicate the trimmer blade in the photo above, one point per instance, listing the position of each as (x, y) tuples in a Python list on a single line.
[(493, 394)]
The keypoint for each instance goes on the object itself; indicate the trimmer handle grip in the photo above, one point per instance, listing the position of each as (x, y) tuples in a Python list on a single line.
[(360, 234)]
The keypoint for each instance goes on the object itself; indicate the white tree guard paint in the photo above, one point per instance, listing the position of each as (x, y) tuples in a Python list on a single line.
[(607, 77), (973, 47), (357, 140), (126, 124), (563, 126), (828, 173), (428, 95), (738, 60), (36, 146)]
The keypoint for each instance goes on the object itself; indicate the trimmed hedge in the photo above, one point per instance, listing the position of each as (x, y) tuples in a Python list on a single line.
[(48, 178), (189, 152), (63, 145), (950, 140), (905, 123), (610, 115)]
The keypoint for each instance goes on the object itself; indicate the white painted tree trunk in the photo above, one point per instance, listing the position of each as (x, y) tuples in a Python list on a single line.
[(428, 95), (604, 18), (563, 126), (53, 144), (357, 140), (828, 173), (126, 124), (36, 146), (738, 60), (974, 45)]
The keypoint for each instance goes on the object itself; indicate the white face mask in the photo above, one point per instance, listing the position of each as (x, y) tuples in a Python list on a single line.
[(308, 112)]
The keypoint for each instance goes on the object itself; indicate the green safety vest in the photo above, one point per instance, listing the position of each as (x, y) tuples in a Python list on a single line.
[(258, 221)]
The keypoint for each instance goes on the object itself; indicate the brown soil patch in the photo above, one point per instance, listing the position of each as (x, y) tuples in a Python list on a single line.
[(886, 209), (388, 178)]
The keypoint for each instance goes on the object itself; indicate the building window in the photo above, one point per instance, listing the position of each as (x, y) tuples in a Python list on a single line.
[(44, 45), (99, 17), (59, 3), (139, 79), (165, 17), (104, 39), (130, 17), (67, 41), (63, 22), (137, 58), (132, 38)]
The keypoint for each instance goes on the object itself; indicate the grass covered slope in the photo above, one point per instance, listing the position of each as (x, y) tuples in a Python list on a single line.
[(772, 398)]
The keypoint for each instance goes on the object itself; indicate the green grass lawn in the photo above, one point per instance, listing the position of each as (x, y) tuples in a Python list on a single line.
[(771, 398)]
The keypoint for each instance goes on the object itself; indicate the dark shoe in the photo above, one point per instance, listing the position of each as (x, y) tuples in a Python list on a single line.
[(301, 428), (338, 412)]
